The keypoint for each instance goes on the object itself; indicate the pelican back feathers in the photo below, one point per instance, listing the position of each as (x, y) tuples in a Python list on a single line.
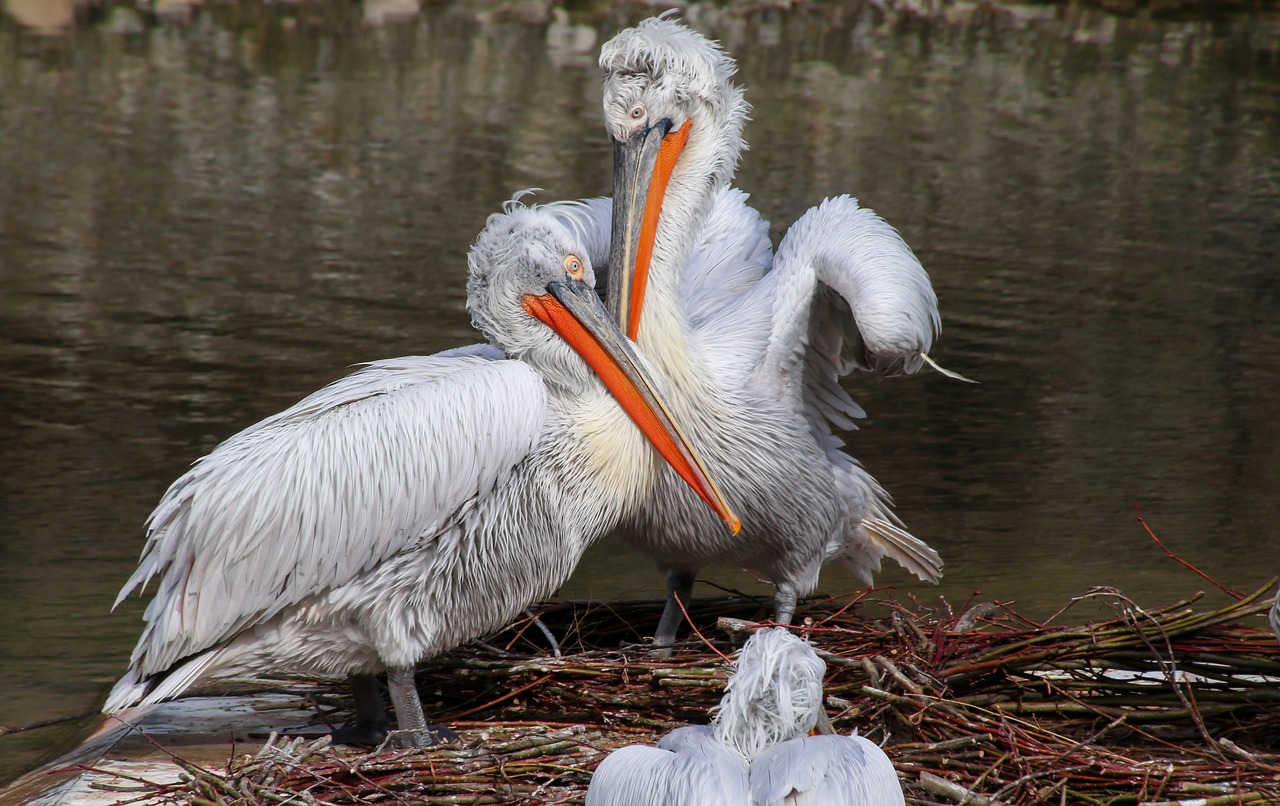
[(687, 768), (824, 771), (309, 499)]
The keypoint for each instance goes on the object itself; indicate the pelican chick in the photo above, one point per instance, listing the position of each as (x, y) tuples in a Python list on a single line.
[(757, 751)]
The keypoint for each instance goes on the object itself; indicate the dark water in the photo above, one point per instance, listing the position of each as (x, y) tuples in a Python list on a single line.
[(207, 212)]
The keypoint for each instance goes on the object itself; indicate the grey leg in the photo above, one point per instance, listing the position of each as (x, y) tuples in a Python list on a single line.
[(546, 631), (679, 583), (371, 714), (370, 709), (412, 722), (784, 604)]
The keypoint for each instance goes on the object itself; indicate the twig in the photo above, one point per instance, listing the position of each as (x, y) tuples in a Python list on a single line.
[(698, 632), (1182, 562)]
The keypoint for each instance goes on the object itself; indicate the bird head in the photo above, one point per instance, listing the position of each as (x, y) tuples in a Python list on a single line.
[(531, 291), (676, 121), (662, 71), (524, 252), (773, 695)]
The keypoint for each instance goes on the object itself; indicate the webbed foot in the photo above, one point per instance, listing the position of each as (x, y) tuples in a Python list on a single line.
[(360, 734), (657, 650), (431, 736)]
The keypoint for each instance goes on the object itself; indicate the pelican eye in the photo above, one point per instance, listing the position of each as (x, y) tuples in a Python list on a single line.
[(636, 112), (573, 265)]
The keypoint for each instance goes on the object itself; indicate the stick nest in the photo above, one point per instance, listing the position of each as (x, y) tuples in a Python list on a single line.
[(1149, 707)]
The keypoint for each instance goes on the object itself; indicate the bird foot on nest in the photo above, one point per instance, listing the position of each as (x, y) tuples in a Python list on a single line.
[(429, 737), (661, 650), (360, 733)]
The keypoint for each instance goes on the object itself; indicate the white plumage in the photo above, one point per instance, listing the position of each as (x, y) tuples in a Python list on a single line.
[(824, 771), (687, 768), (757, 751), (753, 345), (409, 507)]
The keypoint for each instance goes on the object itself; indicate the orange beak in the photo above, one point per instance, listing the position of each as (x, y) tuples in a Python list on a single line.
[(573, 311), (642, 168)]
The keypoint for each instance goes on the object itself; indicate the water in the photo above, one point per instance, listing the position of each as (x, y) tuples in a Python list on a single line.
[(207, 212)]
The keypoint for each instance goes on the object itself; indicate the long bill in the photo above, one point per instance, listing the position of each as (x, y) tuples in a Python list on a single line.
[(573, 311), (642, 166)]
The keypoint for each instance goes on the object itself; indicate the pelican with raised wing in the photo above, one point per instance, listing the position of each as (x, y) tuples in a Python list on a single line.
[(752, 345), (758, 750), (417, 503)]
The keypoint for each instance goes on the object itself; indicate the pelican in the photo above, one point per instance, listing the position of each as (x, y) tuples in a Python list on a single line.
[(415, 504), (752, 344), (757, 750)]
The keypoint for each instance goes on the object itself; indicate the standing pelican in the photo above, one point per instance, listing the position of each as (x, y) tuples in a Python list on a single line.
[(757, 751), (415, 504), (753, 349)]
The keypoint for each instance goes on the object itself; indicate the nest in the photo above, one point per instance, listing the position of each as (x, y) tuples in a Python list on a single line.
[(1157, 706)]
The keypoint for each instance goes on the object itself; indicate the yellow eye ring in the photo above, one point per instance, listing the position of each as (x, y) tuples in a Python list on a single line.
[(573, 265)]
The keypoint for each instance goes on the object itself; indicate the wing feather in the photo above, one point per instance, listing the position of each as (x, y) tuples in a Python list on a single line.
[(687, 768), (876, 531), (847, 287), (734, 252), (824, 770), (305, 500), (847, 293)]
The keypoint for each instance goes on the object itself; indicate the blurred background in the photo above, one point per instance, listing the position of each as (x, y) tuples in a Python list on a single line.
[(208, 210)]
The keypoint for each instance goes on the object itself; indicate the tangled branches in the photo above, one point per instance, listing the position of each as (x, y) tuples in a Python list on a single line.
[(984, 707)]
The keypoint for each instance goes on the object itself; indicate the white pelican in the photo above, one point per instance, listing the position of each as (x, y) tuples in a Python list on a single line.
[(758, 750), (752, 352), (415, 504)]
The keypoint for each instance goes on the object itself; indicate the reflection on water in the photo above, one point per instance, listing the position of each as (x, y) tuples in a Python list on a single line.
[(207, 212)]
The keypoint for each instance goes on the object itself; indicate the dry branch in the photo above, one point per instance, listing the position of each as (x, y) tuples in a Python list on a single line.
[(1168, 705)]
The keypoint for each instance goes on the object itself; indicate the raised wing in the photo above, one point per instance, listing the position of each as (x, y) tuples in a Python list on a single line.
[(824, 771), (846, 285), (847, 293), (687, 768), (305, 500)]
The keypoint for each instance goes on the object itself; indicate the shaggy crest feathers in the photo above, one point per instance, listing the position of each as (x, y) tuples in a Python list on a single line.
[(590, 221), (774, 693), (516, 201), (672, 54), (674, 72), (519, 252)]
